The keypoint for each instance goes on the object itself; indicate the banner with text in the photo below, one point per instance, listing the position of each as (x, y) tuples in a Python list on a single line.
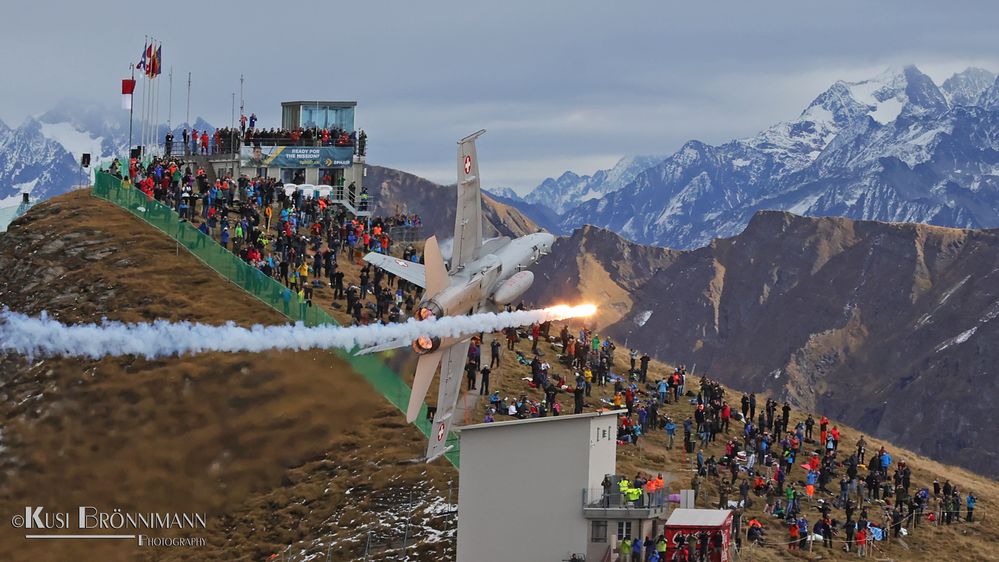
[(296, 156)]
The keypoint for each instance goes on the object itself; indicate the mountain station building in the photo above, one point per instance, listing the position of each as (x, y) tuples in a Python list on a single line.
[(318, 165), (533, 490)]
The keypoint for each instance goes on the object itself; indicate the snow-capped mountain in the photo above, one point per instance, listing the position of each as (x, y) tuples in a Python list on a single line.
[(571, 190), (965, 88), (504, 192), (33, 163), (42, 155), (893, 148)]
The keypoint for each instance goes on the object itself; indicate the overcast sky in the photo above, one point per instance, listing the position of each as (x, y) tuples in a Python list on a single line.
[(558, 84)]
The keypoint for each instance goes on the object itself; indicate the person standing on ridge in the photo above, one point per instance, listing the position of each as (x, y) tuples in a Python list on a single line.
[(494, 353), (484, 383)]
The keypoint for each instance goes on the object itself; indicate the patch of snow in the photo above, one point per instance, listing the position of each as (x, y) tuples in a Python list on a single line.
[(740, 163), (958, 340), (887, 111), (801, 207), (953, 289), (642, 318), (965, 335), (884, 96), (15, 200), (818, 114), (74, 141)]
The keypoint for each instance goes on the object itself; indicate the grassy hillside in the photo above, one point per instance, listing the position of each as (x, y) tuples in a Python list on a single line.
[(278, 448)]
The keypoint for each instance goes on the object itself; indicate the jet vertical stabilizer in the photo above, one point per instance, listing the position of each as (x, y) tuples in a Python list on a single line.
[(468, 215)]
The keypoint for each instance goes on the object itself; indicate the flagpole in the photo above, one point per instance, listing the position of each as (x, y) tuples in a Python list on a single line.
[(170, 103), (149, 101), (151, 137), (145, 96), (131, 106), (154, 137), (145, 109), (188, 118), (156, 110)]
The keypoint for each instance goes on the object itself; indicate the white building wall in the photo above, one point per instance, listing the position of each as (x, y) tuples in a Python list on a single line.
[(602, 450), (520, 488)]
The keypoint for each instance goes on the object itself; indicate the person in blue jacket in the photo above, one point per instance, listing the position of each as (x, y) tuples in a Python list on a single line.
[(670, 428)]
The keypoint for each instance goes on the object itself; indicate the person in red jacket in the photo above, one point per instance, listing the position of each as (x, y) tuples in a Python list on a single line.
[(861, 539), (204, 142)]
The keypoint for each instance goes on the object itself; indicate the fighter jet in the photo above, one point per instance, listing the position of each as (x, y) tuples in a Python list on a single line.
[(483, 277)]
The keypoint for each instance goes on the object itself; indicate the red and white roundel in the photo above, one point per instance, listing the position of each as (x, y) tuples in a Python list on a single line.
[(440, 432), (468, 164)]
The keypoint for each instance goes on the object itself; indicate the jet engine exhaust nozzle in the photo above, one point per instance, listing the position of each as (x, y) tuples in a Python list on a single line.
[(426, 344)]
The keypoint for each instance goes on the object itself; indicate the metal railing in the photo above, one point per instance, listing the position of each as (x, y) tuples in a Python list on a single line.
[(406, 234), (599, 498)]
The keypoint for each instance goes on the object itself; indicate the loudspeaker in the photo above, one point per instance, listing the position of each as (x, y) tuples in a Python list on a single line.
[(85, 160)]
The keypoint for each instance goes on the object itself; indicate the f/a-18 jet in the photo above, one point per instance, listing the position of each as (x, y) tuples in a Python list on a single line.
[(482, 277)]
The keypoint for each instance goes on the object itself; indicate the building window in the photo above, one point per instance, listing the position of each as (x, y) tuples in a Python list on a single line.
[(623, 530), (599, 532)]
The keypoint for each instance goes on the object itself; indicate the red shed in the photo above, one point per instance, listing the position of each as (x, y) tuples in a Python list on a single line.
[(702, 529)]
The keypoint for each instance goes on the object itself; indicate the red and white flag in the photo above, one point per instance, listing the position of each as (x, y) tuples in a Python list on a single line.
[(127, 88)]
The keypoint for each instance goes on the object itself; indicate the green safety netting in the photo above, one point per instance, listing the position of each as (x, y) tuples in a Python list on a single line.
[(386, 381)]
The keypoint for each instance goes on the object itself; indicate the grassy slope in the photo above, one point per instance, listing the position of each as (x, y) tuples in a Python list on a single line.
[(277, 447)]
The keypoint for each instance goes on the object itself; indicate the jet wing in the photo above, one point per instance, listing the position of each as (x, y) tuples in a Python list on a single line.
[(394, 344), (449, 387), (468, 214), (410, 271)]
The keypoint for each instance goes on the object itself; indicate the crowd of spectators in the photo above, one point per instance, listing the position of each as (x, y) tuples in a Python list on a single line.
[(794, 473), (295, 238), (228, 140)]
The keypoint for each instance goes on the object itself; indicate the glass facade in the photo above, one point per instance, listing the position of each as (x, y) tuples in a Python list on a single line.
[(323, 115)]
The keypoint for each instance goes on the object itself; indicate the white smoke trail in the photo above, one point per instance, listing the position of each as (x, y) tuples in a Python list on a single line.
[(46, 337)]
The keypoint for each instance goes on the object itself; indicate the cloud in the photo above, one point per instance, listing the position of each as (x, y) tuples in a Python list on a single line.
[(558, 81)]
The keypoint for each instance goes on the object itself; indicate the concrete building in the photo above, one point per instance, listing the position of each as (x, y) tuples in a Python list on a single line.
[(533, 490)]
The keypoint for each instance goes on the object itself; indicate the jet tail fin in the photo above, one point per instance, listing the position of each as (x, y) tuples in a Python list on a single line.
[(435, 272), (425, 369), (468, 214)]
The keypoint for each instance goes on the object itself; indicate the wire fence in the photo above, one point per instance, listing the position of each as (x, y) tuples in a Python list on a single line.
[(266, 289)]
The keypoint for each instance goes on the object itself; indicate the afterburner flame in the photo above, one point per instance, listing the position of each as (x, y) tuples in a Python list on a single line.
[(564, 311)]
